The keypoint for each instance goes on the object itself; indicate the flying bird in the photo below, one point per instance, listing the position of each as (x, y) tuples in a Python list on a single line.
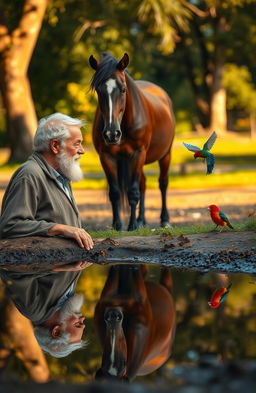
[(218, 217), (218, 296), (204, 152)]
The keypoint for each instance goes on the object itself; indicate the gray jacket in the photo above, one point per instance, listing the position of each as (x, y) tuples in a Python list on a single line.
[(34, 202)]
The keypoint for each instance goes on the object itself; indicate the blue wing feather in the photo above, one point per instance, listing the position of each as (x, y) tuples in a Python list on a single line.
[(223, 297), (191, 147), (223, 216), (210, 142)]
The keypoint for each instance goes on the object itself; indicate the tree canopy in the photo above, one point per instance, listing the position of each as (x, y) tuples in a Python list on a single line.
[(193, 49)]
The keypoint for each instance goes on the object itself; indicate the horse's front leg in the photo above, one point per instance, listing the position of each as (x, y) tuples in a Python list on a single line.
[(114, 196), (110, 169), (133, 198), (133, 193)]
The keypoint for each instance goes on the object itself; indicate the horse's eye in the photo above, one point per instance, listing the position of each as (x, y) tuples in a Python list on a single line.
[(123, 90)]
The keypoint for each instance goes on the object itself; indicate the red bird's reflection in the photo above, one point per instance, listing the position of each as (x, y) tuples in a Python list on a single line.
[(218, 296)]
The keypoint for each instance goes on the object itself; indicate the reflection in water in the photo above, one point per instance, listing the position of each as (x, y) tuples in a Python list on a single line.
[(135, 322), (47, 299), (218, 296), (203, 334)]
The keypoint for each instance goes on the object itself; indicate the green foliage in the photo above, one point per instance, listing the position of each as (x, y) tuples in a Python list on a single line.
[(164, 18), (240, 87)]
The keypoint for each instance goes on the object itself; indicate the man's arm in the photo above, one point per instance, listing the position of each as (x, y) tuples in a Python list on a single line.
[(83, 238)]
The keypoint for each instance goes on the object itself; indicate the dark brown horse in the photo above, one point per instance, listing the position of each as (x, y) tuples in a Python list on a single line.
[(133, 125), (135, 322)]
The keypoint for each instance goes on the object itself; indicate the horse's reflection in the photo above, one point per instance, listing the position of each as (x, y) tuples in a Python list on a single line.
[(135, 322)]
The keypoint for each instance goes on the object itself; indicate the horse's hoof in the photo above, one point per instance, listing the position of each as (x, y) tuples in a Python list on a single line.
[(166, 224), (117, 227), (141, 223), (132, 227)]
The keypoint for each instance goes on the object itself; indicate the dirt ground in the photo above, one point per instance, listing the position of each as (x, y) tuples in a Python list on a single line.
[(185, 206)]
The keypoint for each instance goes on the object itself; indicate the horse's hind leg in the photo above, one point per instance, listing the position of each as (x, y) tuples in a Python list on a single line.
[(163, 184), (141, 217)]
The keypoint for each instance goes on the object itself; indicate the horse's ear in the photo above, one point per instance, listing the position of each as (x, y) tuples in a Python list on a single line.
[(93, 62), (123, 63)]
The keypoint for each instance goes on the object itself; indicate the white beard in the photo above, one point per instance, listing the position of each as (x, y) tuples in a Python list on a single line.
[(69, 166), (71, 308)]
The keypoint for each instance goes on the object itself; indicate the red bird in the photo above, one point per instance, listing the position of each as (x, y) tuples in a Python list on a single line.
[(218, 296), (218, 217)]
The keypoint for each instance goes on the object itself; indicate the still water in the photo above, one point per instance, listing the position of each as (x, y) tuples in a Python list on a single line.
[(153, 322)]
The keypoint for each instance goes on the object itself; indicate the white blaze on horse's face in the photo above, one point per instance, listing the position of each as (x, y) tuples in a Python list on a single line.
[(111, 85), (112, 370), (111, 132)]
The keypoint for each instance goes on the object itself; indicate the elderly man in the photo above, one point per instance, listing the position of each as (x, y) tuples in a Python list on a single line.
[(39, 201)]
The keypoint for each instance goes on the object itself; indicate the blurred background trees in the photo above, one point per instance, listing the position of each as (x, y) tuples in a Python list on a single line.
[(201, 52)]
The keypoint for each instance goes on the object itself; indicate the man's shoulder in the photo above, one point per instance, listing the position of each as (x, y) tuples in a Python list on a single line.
[(30, 169)]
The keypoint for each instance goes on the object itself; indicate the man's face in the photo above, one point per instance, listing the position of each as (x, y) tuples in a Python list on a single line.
[(73, 144), (70, 153), (75, 327), (71, 319)]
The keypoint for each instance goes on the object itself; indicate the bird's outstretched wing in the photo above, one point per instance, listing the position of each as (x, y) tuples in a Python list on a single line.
[(210, 142), (210, 163), (191, 147)]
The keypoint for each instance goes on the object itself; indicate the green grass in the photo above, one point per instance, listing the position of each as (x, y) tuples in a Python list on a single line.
[(250, 225), (239, 153), (188, 181)]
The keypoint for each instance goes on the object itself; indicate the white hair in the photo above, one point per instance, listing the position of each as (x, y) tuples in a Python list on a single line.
[(53, 126), (60, 347), (57, 347)]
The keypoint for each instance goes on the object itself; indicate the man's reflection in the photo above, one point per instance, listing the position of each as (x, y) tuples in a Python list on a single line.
[(135, 321), (47, 299)]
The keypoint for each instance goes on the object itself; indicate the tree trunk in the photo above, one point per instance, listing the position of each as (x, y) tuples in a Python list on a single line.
[(20, 341), (253, 125), (218, 101), (16, 49), (20, 113)]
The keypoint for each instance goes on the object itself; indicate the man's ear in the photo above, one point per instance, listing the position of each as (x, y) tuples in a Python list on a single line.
[(56, 331), (55, 146)]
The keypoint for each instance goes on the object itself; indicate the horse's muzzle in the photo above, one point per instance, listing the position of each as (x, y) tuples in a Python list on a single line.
[(112, 137), (113, 315)]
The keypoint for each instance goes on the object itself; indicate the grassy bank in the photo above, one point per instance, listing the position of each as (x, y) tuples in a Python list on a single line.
[(249, 225)]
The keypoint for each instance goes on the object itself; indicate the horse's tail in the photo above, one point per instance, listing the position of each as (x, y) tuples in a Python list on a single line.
[(123, 178)]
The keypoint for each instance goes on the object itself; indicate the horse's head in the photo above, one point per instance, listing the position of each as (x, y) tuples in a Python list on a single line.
[(109, 81), (114, 357)]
